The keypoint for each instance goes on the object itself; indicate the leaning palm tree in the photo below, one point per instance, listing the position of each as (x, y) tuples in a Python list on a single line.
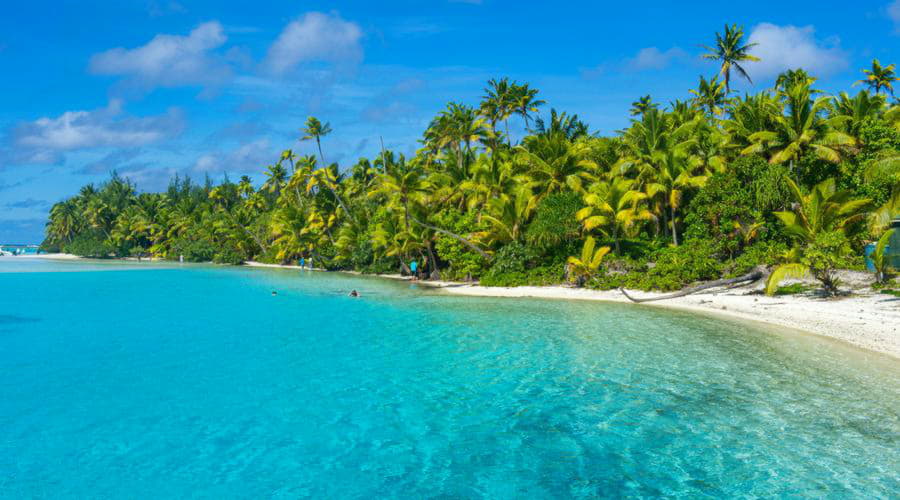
[(879, 77), (315, 129), (732, 51)]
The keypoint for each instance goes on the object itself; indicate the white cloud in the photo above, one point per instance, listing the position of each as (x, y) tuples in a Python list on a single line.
[(43, 140), (653, 58), (893, 12), (791, 47), (315, 37), (169, 60)]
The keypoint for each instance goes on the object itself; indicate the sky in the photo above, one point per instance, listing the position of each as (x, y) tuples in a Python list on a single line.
[(151, 88)]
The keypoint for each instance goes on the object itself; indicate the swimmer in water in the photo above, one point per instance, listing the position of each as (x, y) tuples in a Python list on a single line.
[(354, 293), (274, 293)]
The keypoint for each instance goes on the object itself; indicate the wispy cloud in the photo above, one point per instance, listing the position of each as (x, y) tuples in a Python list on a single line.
[(316, 37), (28, 203), (791, 47), (248, 157), (169, 60), (392, 103), (159, 8), (893, 12), (5, 187), (652, 58), (117, 160), (45, 139)]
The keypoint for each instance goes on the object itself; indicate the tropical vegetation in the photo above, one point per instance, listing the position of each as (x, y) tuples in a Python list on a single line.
[(696, 189)]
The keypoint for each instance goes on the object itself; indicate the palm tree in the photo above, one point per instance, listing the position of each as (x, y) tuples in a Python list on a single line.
[(791, 77), (642, 105), (570, 126), (614, 204), (674, 176), (499, 103), (586, 266), (711, 96), (64, 221), (732, 51), (802, 129), (819, 218), (552, 163), (275, 177), (879, 77), (852, 112), (507, 217), (749, 115), (526, 101), (456, 128), (315, 129)]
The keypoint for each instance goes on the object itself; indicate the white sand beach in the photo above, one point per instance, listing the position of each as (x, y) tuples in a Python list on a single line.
[(54, 256)]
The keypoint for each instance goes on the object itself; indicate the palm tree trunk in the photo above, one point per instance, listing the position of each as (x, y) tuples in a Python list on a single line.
[(341, 202), (435, 273), (674, 230), (508, 138), (321, 156)]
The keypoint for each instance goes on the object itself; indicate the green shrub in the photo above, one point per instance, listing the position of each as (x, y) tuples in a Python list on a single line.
[(554, 220), (747, 193), (674, 268), (793, 289), (762, 253), (193, 250), (228, 256), (462, 260), (90, 245), (515, 265)]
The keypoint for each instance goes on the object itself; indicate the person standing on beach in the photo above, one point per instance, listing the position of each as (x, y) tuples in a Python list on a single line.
[(413, 268), (302, 262)]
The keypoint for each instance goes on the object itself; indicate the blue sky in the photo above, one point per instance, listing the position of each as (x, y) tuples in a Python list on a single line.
[(154, 88)]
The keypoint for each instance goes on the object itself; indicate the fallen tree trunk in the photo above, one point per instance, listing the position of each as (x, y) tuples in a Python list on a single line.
[(749, 277), (454, 236)]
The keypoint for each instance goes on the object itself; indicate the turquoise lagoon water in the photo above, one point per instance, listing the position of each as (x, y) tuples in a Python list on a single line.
[(144, 381)]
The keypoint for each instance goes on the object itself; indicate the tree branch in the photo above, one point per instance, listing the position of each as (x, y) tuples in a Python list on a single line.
[(454, 236), (749, 277)]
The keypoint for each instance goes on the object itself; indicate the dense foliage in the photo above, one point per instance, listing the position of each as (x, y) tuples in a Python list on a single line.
[(702, 188)]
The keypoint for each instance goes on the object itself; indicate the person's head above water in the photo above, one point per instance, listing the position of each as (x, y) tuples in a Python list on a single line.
[(354, 293), (274, 292)]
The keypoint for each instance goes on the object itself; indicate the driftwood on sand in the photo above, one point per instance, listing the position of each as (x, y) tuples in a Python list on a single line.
[(749, 277)]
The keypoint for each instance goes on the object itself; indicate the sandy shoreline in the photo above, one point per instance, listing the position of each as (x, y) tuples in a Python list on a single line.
[(52, 256), (866, 319)]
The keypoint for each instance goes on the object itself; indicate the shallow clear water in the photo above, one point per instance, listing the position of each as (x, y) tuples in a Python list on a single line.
[(174, 381)]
